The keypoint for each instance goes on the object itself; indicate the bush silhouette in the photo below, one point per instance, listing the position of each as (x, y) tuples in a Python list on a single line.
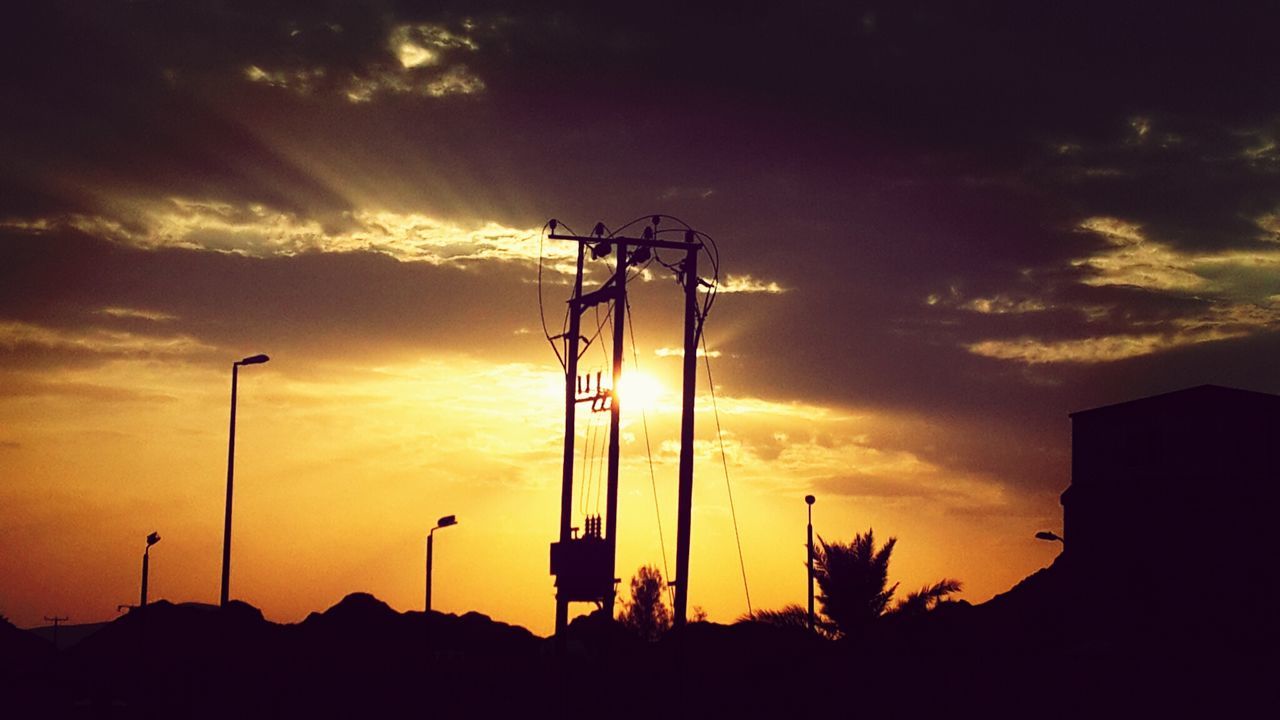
[(646, 614)]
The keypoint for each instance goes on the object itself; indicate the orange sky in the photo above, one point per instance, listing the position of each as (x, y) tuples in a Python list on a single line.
[(941, 231), (342, 469)]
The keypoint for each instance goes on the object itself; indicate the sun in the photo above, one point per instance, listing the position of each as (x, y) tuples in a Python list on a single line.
[(638, 390)]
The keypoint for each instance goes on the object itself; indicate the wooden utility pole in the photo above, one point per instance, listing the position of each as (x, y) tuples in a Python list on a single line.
[(56, 621), (570, 417), (615, 420), (684, 512)]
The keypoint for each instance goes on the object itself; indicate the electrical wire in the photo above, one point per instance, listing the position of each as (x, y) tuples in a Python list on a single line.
[(648, 448), (598, 459), (588, 463), (724, 460)]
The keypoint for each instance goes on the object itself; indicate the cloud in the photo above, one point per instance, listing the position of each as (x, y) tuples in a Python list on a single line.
[(1133, 260), (302, 81), (1086, 350), (134, 313), (1218, 323), (1269, 223), (1004, 305), (748, 284), (457, 80), (686, 193), (423, 43), (96, 340), (410, 64), (256, 230), (1192, 296), (679, 352)]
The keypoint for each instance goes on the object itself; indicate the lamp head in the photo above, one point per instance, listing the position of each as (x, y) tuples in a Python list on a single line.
[(809, 499), (254, 360), (447, 520), (153, 538), (1051, 537)]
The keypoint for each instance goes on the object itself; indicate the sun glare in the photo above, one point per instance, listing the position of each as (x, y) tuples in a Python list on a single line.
[(638, 390)]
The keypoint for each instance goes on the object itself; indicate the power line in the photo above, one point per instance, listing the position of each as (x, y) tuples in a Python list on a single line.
[(706, 357), (653, 481)]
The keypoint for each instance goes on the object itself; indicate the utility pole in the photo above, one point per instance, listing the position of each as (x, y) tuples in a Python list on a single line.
[(615, 421), (585, 567), (684, 511), (55, 620), (570, 418)]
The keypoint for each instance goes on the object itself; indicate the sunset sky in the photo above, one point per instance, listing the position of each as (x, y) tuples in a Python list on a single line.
[(941, 228)]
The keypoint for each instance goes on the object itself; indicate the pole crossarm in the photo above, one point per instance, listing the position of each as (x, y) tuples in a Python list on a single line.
[(606, 293), (630, 241)]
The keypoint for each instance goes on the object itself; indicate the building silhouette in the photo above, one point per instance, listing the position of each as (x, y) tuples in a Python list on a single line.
[(1171, 509)]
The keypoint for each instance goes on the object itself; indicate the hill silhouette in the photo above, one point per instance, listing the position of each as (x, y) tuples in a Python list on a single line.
[(26, 661), (1026, 652)]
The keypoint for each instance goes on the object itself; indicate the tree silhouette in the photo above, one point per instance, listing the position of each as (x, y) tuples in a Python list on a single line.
[(926, 598), (853, 581), (646, 614), (853, 584), (789, 616)]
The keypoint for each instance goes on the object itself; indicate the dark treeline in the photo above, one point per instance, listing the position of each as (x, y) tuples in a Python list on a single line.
[(1032, 652)]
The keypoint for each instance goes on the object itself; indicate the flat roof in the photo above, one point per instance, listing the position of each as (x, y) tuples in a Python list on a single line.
[(1198, 393)]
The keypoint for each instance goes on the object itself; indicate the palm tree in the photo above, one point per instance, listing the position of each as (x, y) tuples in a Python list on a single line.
[(926, 598), (853, 581), (853, 584), (791, 616)]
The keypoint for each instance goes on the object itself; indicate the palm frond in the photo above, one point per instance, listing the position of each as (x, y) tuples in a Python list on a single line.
[(927, 597)]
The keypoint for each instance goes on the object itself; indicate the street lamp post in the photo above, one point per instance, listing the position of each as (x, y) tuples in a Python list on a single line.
[(810, 500), (443, 522), (152, 539), (231, 465)]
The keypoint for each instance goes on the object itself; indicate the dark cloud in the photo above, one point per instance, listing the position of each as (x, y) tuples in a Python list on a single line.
[(864, 155), (320, 306)]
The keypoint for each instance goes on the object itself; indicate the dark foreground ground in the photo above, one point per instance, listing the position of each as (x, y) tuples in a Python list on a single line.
[(1019, 656)]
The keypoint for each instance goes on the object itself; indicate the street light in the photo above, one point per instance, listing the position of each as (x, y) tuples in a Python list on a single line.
[(152, 539), (443, 522), (231, 465), (810, 500), (1051, 537)]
